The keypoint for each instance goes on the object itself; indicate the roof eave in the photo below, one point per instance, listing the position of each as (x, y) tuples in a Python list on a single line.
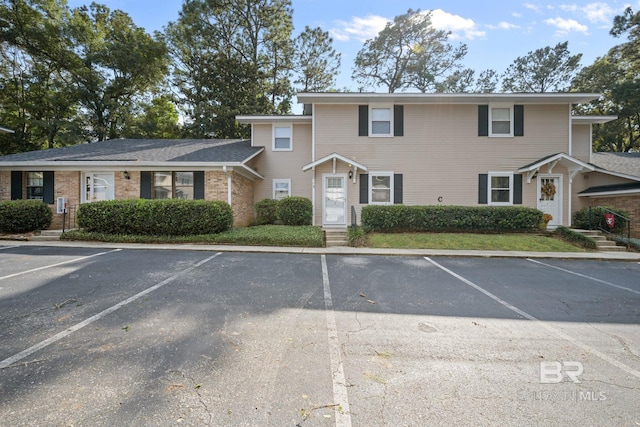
[(247, 120), (609, 193), (446, 98)]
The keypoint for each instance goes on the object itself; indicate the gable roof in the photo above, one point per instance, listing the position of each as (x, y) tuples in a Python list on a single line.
[(334, 157), (620, 163), (141, 154)]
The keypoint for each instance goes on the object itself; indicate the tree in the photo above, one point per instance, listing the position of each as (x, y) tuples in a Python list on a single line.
[(617, 77), (542, 70), (316, 61), (408, 53), (157, 120), (464, 81), (231, 57)]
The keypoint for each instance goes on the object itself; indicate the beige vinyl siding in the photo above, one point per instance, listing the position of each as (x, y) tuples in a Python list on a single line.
[(441, 154), (282, 164), (581, 142)]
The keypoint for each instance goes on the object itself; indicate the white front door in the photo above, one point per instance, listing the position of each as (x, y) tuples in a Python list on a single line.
[(98, 186), (550, 197), (335, 200)]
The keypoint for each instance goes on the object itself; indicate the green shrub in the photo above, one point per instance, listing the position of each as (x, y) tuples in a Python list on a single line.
[(356, 237), (20, 216), (575, 238), (266, 211), (397, 218), (598, 220), (295, 211), (156, 217)]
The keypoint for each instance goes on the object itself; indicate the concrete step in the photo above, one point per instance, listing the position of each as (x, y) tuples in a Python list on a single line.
[(603, 244), (336, 237), (51, 233), (44, 238), (332, 243)]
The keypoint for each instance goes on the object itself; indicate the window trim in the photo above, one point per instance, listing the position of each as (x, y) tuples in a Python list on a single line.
[(90, 175), (511, 120), (275, 126), (174, 184), (386, 106), (391, 188), (490, 188), (27, 186), (280, 181)]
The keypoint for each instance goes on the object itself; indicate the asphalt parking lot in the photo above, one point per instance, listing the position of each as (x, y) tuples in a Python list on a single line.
[(93, 336)]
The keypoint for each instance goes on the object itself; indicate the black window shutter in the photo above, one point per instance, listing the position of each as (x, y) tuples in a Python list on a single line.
[(145, 185), (483, 120), (364, 188), (483, 182), (16, 185), (198, 185), (398, 120), (517, 189), (48, 195), (397, 188), (518, 120), (363, 120)]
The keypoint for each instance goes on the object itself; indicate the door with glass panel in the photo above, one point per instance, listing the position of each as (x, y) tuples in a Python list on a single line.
[(335, 200), (98, 186)]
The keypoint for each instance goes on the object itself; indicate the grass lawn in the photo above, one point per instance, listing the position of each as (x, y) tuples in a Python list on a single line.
[(263, 235), (496, 242)]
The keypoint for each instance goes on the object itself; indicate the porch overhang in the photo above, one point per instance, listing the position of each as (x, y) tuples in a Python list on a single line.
[(571, 163), (334, 157)]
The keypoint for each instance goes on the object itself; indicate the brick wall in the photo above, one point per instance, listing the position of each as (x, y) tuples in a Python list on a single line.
[(5, 185), (242, 200), (630, 204), (66, 184), (127, 188)]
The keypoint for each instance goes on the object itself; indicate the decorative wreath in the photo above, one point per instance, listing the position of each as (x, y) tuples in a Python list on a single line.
[(548, 189)]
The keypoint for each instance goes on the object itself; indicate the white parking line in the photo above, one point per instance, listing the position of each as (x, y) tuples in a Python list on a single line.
[(17, 357), (8, 247), (340, 397), (545, 325), (584, 276), (55, 265)]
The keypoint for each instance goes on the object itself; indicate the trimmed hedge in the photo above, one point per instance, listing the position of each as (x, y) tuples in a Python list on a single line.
[(156, 217), (576, 238), (398, 218), (295, 211), (581, 219), (266, 211), (20, 216)]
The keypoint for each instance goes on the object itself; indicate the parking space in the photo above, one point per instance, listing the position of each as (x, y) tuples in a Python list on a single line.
[(158, 337)]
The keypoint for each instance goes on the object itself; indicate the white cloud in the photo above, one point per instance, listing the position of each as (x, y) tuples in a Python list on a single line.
[(516, 15), (599, 12), (361, 29), (503, 26), (531, 6), (566, 26), (461, 28)]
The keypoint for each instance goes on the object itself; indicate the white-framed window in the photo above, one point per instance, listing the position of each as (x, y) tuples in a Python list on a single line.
[(173, 185), (35, 185), (380, 120), (282, 137), (500, 188), (500, 120), (281, 188), (381, 188), (98, 186)]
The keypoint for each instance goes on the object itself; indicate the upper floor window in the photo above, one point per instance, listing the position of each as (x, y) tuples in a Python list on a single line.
[(380, 121), (282, 137), (35, 185), (501, 121)]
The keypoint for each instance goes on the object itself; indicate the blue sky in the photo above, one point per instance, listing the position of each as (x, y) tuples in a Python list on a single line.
[(496, 32)]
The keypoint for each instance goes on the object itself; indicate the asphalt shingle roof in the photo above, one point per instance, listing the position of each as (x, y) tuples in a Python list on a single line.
[(145, 150), (625, 163), (612, 188)]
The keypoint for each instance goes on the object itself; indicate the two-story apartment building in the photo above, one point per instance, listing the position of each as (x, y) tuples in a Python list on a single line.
[(353, 149)]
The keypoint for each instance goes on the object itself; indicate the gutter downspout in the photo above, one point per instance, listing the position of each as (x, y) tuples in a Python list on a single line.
[(228, 174), (313, 159)]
